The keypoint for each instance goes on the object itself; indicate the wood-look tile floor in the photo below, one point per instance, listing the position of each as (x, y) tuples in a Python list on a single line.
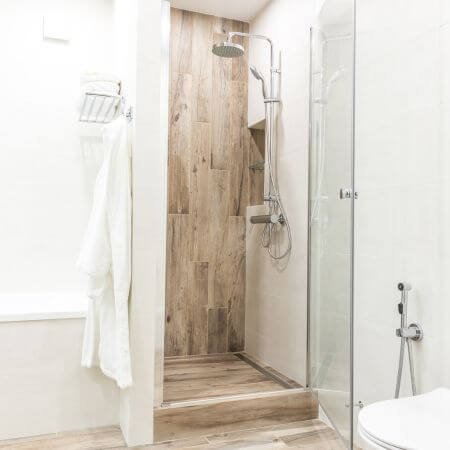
[(191, 378), (306, 435)]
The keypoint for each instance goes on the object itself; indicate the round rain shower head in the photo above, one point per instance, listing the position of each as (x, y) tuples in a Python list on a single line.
[(228, 50)]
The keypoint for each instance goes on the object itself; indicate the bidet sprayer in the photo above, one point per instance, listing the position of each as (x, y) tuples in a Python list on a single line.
[(407, 333)]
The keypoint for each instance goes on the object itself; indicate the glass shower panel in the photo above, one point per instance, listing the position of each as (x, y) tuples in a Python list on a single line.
[(331, 212)]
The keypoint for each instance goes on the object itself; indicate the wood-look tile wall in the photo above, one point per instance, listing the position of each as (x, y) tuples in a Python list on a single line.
[(209, 188)]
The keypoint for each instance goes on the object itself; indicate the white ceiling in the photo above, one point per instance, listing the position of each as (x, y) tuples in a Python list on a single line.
[(244, 10)]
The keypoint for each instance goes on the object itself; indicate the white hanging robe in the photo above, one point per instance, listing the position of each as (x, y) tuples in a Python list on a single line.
[(106, 258)]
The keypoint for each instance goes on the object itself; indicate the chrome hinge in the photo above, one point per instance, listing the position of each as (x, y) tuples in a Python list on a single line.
[(360, 404), (346, 193)]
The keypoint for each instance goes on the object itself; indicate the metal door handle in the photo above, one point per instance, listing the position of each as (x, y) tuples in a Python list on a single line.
[(346, 193)]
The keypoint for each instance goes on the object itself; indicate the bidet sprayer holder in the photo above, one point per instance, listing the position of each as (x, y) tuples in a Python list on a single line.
[(412, 331)]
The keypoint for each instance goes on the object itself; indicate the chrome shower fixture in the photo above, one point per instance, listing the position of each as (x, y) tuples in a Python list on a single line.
[(276, 220), (230, 49)]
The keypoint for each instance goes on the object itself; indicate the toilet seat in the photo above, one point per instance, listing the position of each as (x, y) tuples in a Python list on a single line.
[(419, 423), (370, 442)]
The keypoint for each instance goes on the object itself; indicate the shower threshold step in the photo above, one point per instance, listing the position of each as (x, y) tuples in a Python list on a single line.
[(200, 417)]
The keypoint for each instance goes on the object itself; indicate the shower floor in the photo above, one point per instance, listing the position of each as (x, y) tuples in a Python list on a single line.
[(200, 377)]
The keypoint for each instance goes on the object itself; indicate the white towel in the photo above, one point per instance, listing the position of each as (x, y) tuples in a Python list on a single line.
[(106, 258)]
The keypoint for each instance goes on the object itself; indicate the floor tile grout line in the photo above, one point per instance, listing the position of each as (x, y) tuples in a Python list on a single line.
[(236, 397)]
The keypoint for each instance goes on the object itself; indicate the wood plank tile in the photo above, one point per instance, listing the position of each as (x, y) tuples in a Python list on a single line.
[(219, 188), (208, 178), (212, 370), (239, 71), (176, 285), (91, 439), (308, 434), (179, 144), (202, 42), (218, 385), (220, 375), (238, 157), (225, 416), (322, 439), (222, 26), (217, 330), (181, 23), (220, 388), (197, 309), (270, 433), (196, 442), (221, 111), (199, 190), (236, 277), (256, 444)]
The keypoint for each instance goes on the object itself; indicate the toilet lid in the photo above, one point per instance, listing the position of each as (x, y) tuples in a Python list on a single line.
[(413, 423)]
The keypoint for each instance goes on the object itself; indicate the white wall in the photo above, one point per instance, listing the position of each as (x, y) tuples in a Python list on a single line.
[(403, 178), (276, 314), (45, 183), (44, 199), (42, 386), (143, 27)]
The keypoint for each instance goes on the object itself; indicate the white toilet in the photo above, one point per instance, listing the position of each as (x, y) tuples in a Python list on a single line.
[(418, 423)]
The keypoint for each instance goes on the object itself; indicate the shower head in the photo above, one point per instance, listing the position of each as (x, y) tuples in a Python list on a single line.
[(256, 73), (259, 76), (228, 49)]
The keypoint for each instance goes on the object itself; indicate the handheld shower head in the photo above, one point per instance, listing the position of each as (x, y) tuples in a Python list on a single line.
[(259, 76), (256, 73)]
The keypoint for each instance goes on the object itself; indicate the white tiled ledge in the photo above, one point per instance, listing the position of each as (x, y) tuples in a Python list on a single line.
[(25, 306)]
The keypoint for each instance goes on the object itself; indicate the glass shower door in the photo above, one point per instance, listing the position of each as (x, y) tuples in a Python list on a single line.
[(331, 201)]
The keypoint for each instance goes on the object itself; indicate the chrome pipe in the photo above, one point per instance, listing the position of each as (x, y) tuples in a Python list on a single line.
[(400, 367)]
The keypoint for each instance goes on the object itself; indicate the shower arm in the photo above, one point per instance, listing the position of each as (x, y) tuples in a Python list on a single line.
[(273, 70)]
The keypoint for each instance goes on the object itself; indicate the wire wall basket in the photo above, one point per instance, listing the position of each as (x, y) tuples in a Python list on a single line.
[(103, 108)]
